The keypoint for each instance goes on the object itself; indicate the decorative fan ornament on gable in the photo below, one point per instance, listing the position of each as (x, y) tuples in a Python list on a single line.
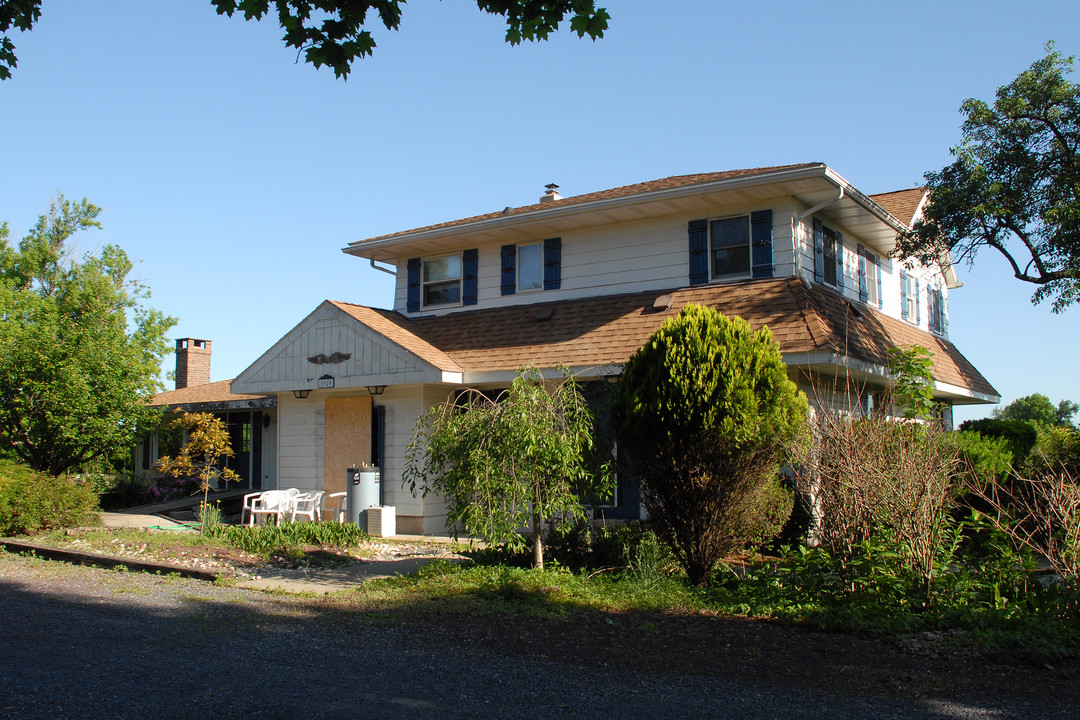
[(336, 357)]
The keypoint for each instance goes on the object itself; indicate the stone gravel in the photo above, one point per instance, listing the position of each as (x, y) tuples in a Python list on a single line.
[(88, 643)]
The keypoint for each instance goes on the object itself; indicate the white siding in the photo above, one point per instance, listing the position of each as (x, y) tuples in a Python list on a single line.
[(613, 259), (301, 432)]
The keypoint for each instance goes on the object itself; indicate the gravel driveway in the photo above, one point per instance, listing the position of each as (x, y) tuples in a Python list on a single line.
[(87, 643)]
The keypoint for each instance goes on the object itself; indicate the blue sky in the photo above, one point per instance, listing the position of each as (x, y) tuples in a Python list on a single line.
[(234, 175)]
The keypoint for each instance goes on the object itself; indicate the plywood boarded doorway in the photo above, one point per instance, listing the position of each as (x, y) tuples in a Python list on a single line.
[(348, 439)]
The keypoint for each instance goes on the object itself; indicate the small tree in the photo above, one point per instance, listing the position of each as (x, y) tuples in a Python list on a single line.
[(707, 413), (202, 456), (507, 463), (913, 390)]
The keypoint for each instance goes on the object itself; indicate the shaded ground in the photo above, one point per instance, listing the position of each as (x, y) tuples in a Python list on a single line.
[(82, 642)]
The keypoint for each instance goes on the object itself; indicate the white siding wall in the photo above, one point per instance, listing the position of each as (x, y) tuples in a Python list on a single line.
[(614, 259), (301, 435), (403, 405), (890, 272)]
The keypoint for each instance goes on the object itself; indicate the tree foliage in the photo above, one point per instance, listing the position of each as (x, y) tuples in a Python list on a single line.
[(1014, 185), (707, 413), (1038, 408), (79, 352), (334, 32), (203, 454), (913, 388), (506, 463)]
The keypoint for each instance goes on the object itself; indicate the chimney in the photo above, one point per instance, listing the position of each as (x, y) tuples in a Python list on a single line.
[(552, 193), (192, 362)]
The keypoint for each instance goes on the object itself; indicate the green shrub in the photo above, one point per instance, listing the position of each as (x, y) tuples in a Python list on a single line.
[(708, 414), (32, 502), (986, 458), (1020, 434)]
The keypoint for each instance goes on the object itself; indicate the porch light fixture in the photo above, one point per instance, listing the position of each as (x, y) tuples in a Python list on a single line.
[(300, 394), (376, 389)]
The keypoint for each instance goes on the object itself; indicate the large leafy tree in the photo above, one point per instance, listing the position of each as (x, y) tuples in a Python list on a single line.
[(1038, 408), (334, 32), (510, 462), (1014, 185), (707, 414), (79, 351)]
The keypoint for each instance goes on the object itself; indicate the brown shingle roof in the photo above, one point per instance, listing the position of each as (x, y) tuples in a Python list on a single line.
[(215, 392), (901, 204), (396, 328), (667, 183), (607, 330)]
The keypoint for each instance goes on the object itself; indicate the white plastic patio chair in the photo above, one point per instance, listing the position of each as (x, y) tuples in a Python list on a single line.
[(307, 504), (270, 502), (335, 503), (248, 500)]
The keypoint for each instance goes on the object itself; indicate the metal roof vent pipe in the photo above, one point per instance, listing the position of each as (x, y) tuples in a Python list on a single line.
[(552, 193)]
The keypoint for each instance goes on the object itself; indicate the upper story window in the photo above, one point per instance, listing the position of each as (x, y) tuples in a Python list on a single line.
[(869, 277), (729, 245), (935, 309), (909, 296), (535, 266), (829, 251), (530, 267), (828, 255), (442, 280)]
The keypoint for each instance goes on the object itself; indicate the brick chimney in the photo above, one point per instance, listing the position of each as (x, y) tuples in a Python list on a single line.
[(192, 362)]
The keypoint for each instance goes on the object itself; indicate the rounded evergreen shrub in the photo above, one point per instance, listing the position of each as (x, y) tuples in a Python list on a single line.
[(708, 414)]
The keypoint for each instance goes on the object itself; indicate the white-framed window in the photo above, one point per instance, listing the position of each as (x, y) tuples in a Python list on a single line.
[(869, 277), (441, 280), (935, 309), (729, 246), (530, 267), (909, 296)]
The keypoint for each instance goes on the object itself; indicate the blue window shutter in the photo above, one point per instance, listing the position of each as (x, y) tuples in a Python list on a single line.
[(761, 242), (412, 302), (880, 299), (509, 269), (944, 314), (903, 294), (819, 251), (553, 263), (698, 232), (864, 294), (839, 262), (917, 318), (469, 262)]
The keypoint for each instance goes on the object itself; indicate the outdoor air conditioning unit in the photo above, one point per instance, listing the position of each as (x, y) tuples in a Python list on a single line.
[(382, 521)]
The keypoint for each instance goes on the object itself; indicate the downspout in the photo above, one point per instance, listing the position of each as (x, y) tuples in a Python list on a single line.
[(382, 269)]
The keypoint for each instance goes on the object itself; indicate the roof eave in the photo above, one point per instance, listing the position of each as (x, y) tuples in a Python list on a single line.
[(367, 248)]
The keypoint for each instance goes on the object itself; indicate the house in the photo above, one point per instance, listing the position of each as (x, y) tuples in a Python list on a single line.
[(583, 281), (251, 419)]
